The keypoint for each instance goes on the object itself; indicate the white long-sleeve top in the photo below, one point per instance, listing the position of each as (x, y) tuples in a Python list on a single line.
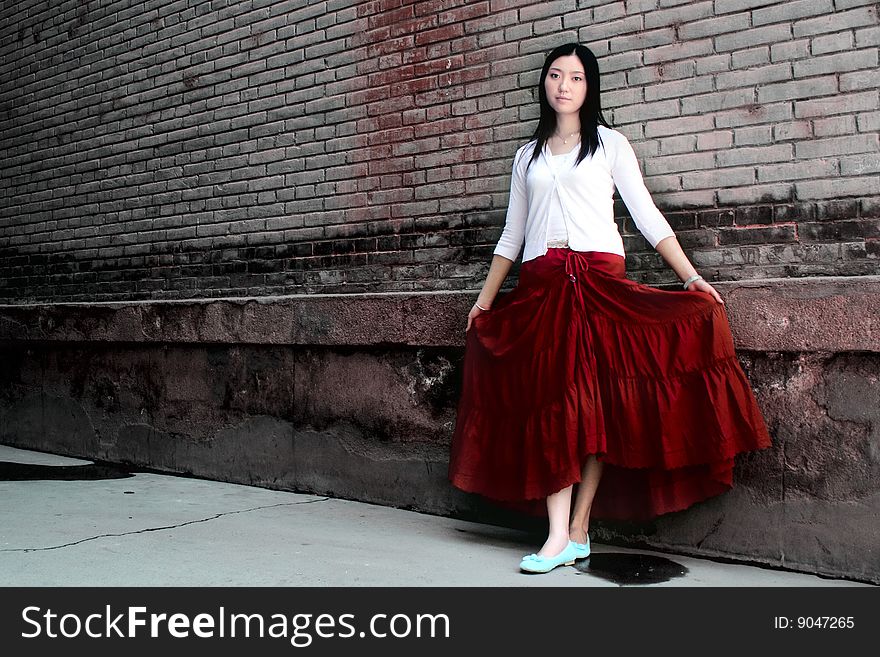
[(556, 228), (583, 194)]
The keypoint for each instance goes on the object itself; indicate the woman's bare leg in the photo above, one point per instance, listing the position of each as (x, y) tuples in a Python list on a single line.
[(558, 510), (580, 517)]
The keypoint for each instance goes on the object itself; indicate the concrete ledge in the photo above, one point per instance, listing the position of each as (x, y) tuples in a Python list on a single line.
[(789, 315), (355, 396)]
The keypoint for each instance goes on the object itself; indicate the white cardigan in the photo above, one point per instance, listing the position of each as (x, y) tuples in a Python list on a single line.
[(586, 194)]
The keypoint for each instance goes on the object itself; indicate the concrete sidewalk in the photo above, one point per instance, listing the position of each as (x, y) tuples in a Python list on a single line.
[(160, 530)]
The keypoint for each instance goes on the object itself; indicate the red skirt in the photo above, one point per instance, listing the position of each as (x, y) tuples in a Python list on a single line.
[(579, 360)]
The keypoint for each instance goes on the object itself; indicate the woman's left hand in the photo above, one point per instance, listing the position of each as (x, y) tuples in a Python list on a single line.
[(703, 286)]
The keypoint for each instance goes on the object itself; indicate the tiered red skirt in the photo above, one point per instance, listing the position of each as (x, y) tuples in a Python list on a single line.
[(579, 360)]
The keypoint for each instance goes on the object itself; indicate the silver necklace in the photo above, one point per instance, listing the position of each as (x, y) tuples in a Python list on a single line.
[(565, 139)]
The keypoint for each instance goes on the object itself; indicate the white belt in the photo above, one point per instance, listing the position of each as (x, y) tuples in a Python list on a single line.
[(557, 243)]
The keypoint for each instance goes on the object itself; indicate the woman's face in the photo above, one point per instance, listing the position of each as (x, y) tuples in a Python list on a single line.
[(566, 84)]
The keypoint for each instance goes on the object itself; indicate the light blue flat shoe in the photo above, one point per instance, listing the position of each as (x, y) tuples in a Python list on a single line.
[(533, 563), (582, 549)]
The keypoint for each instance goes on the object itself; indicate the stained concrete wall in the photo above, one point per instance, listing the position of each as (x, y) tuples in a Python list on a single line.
[(354, 396)]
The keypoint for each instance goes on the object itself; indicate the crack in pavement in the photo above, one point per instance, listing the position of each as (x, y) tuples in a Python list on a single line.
[(156, 529)]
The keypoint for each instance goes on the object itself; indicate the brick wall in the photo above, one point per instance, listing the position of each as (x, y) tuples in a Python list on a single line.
[(192, 148)]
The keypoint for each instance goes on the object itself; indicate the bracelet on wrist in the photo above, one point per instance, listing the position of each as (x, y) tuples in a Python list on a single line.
[(480, 307), (695, 277)]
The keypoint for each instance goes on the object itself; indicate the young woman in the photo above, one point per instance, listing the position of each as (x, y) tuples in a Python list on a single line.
[(580, 374)]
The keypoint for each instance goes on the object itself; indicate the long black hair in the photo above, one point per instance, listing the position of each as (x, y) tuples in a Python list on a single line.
[(590, 112)]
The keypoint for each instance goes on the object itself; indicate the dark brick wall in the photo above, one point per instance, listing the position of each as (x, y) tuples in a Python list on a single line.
[(191, 148)]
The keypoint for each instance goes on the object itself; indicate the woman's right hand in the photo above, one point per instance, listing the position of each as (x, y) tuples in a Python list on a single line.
[(475, 311)]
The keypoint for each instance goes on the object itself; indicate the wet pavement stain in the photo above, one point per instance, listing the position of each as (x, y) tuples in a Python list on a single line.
[(630, 569), (90, 472)]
